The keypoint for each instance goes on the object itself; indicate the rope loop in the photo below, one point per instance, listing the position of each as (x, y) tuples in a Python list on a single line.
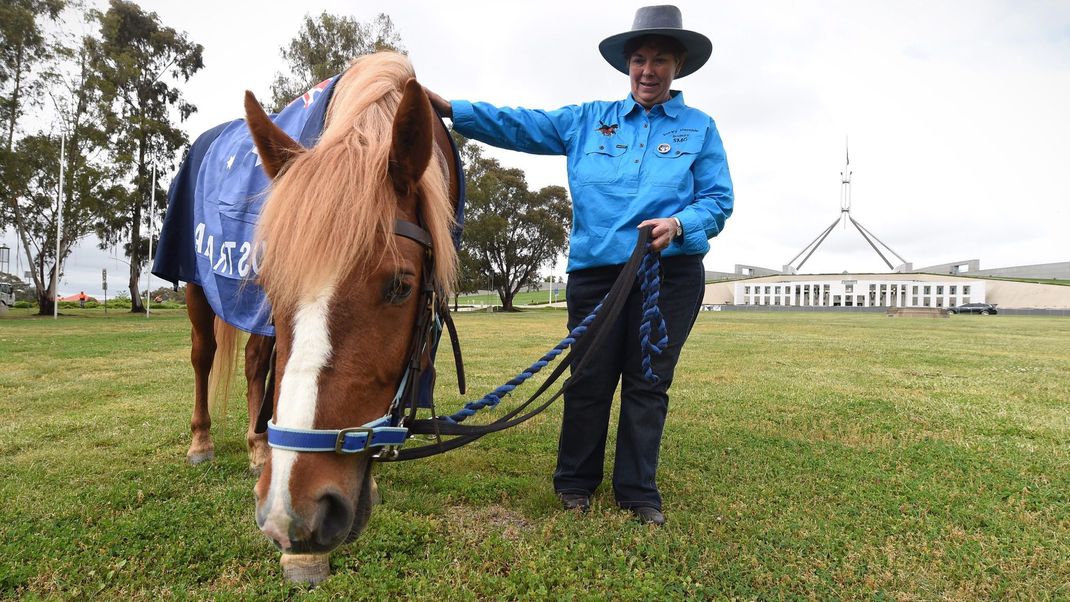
[(653, 335)]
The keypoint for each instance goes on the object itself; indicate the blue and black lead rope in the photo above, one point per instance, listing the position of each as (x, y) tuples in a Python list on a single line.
[(578, 357)]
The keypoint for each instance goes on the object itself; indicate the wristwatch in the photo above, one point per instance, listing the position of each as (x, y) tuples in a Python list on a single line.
[(679, 228)]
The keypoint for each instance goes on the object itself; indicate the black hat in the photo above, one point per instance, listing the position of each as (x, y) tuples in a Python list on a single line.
[(663, 20)]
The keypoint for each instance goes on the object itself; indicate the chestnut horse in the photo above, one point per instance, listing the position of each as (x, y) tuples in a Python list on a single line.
[(342, 287)]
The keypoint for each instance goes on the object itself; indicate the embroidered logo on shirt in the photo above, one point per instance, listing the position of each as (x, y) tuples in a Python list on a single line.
[(606, 130), (681, 134)]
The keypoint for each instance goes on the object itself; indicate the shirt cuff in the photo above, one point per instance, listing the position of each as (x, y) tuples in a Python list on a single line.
[(463, 114)]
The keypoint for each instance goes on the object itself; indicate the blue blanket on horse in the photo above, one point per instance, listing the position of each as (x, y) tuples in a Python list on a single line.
[(213, 206)]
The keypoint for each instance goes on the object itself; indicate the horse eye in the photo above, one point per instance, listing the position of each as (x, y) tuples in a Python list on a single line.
[(397, 291)]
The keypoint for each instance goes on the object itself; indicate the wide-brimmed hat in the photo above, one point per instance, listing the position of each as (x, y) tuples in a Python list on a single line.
[(662, 20)]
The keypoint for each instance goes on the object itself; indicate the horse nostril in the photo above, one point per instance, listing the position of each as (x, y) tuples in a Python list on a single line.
[(337, 518)]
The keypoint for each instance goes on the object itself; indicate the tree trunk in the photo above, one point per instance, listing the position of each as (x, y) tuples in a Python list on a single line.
[(506, 295), (45, 303), (135, 236), (136, 306)]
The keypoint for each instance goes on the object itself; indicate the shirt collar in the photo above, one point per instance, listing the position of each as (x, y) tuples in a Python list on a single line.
[(671, 108)]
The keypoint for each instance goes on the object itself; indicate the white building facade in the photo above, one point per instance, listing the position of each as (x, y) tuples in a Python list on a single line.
[(860, 292)]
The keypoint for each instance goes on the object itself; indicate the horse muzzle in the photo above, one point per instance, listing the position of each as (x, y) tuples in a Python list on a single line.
[(306, 516)]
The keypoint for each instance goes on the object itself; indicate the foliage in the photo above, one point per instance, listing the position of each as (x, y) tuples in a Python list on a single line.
[(324, 46), (136, 64), (806, 457), (24, 48), (169, 294), (87, 179), (510, 232), (25, 69)]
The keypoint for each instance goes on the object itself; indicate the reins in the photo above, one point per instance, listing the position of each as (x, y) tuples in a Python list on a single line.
[(400, 423), (605, 313)]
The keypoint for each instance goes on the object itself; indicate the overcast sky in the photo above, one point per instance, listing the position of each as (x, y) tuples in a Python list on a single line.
[(957, 112)]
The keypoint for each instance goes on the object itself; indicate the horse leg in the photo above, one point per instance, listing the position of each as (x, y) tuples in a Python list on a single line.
[(202, 352), (257, 363)]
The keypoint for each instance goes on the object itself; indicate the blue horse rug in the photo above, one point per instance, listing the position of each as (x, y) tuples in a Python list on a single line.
[(214, 203)]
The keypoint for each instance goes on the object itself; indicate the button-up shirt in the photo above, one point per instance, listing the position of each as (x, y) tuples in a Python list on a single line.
[(625, 165)]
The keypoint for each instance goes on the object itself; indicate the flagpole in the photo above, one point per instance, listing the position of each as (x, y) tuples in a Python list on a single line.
[(59, 227), (152, 227)]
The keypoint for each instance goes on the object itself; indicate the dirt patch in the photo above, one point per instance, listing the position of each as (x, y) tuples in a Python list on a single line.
[(483, 520)]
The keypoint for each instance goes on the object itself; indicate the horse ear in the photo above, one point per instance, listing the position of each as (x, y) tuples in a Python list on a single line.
[(275, 146), (410, 146)]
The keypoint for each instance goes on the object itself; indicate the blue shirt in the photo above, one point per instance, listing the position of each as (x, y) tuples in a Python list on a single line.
[(625, 165)]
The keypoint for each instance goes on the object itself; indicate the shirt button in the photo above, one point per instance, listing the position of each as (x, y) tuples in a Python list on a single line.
[(601, 148), (645, 125), (640, 145), (637, 160)]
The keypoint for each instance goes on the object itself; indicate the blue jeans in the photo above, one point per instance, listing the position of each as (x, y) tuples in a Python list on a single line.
[(585, 424)]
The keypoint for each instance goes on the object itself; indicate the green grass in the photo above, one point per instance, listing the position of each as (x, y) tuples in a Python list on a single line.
[(521, 298), (806, 456)]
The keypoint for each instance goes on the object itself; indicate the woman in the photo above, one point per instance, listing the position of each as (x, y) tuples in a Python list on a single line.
[(647, 160)]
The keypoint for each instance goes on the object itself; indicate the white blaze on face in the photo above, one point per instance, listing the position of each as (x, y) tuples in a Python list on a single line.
[(298, 391)]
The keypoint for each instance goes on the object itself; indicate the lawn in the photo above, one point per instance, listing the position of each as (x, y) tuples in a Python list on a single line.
[(806, 456)]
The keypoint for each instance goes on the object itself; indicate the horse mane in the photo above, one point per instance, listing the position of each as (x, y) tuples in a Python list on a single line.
[(333, 209)]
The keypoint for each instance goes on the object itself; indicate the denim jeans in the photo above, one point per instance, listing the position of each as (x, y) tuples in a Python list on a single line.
[(585, 424)]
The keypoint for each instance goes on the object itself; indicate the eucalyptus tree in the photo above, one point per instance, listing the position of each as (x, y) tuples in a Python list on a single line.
[(137, 64), (24, 54), (324, 46), (510, 232), (88, 180)]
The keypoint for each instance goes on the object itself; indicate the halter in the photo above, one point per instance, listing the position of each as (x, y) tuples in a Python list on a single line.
[(386, 433)]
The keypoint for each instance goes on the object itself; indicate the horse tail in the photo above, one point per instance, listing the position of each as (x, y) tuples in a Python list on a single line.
[(223, 364)]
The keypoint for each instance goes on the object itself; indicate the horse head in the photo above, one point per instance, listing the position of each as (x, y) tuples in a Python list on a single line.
[(345, 289)]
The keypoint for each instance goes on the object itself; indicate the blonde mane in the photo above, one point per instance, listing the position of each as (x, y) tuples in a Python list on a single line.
[(334, 209)]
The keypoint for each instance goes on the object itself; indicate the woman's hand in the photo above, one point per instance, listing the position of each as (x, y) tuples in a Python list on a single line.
[(440, 104), (662, 234)]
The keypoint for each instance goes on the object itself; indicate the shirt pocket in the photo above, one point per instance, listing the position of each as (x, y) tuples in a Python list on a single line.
[(601, 162), (673, 167)]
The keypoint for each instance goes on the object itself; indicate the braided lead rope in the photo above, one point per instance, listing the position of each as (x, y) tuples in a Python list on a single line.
[(495, 397), (653, 323), (650, 285)]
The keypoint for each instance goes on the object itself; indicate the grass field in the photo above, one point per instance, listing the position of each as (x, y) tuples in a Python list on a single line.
[(521, 298), (806, 456)]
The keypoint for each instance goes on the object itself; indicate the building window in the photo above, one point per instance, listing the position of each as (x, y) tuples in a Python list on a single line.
[(939, 290), (928, 289), (952, 289), (746, 290), (965, 289), (915, 289)]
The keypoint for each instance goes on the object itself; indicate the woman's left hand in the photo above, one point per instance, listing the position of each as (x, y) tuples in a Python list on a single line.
[(662, 234)]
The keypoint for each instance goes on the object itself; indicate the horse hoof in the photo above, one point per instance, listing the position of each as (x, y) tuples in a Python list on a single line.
[(309, 569), (195, 458)]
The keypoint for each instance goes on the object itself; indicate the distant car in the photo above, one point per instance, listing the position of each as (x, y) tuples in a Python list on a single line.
[(974, 308)]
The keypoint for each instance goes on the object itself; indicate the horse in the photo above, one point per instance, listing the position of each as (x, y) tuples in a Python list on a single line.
[(342, 270)]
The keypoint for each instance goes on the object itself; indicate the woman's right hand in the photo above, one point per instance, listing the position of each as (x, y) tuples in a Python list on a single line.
[(440, 104)]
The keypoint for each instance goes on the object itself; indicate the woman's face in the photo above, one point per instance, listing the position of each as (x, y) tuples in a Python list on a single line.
[(651, 72)]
